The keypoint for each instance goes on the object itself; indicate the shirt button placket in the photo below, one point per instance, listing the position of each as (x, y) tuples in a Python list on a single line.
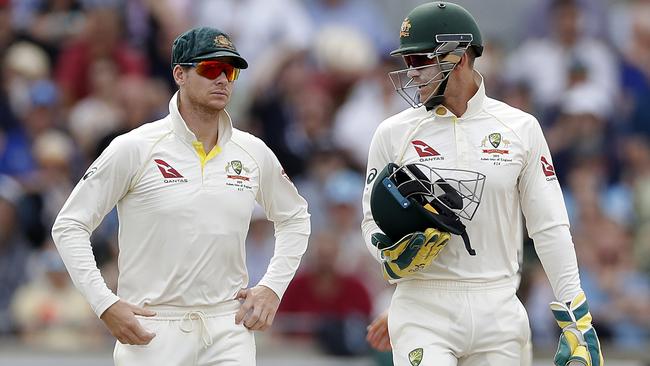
[(462, 144)]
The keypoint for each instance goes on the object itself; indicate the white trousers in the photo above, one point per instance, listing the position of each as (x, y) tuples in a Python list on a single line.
[(451, 323), (197, 336)]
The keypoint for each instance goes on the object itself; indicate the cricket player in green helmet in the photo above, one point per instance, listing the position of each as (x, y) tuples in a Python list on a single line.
[(455, 304)]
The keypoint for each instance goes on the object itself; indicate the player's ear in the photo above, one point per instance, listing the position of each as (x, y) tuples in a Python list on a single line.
[(179, 75), (464, 60)]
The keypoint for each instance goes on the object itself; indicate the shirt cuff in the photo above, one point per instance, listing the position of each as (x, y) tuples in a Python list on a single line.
[(106, 303)]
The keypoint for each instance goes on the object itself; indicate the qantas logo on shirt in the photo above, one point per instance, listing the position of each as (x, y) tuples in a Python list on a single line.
[(425, 152), (423, 149), (170, 174), (548, 169)]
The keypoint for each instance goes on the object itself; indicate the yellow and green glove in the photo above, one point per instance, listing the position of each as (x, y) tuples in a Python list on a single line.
[(411, 254), (579, 343)]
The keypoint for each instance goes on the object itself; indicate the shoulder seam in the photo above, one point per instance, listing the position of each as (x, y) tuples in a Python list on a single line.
[(140, 171), (505, 125), (259, 166)]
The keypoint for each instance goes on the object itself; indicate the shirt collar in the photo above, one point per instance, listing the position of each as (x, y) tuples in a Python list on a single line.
[(181, 130), (474, 105)]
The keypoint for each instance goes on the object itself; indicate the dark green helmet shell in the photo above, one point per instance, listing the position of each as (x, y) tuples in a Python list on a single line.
[(420, 28), (396, 215)]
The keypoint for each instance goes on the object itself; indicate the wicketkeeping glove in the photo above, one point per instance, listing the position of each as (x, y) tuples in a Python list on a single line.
[(411, 254), (579, 343)]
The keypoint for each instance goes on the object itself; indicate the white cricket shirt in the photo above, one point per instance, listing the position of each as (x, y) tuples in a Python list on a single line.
[(519, 178), (183, 216)]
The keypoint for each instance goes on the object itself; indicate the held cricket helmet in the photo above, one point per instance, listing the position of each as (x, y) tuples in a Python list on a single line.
[(441, 31), (414, 197)]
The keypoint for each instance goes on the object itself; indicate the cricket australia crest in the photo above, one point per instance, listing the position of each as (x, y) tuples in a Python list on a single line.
[(415, 356), (223, 42), (495, 139), (237, 175), (236, 166), (495, 149), (405, 29)]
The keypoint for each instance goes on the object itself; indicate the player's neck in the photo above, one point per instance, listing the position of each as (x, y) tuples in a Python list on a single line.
[(203, 123), (457, 103)]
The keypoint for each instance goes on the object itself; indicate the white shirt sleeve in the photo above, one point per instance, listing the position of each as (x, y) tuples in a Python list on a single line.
[(104, 184), (546, 217), (288, 212), (378, 158)]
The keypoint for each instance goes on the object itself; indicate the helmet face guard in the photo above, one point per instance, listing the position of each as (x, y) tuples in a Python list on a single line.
[(445, 57), (414, 197)]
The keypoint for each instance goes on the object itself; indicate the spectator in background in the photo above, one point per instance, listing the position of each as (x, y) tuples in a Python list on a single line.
[(490, 65), (344, 56), (24, 64), (141, 100), (323, 164), (580, 130), (619, 293), (51, 313), (102, 38), (363, 16), (635, 72), (536, 20), (25, 69), (312, 130), (6, 31), (332, 307), (98, 113), (542, 325), (343, 190), (590, 195), (371, 100), (553, 65), (636, 154), (52, 23), (518, 95), (14, 251), (54, 152), (151, 26), (274, 106)]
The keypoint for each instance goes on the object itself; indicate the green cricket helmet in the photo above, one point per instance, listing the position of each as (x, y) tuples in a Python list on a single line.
[(439, 31), (414, 197)]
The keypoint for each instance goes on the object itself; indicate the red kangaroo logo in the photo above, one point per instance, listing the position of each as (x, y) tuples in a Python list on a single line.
[(167, 170), (423, 149), (547, 168)]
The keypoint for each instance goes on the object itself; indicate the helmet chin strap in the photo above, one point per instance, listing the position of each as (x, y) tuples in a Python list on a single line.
[(438, 97)]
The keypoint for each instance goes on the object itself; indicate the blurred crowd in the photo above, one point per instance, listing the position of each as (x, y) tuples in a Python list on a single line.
[(76, 73)]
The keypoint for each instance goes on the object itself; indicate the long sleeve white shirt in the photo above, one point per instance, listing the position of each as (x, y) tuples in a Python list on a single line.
[(183, 217), (519, 179)]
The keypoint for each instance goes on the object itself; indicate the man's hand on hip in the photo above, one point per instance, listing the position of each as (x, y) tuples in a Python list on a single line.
[(258, 309), (121, 322), (378, 336)]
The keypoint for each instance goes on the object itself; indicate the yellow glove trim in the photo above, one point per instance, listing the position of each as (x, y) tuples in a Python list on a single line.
[(579, 342), (413, 253)]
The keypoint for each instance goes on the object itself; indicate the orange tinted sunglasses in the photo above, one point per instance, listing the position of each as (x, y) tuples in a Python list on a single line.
[(418, 60), (211, 69)]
